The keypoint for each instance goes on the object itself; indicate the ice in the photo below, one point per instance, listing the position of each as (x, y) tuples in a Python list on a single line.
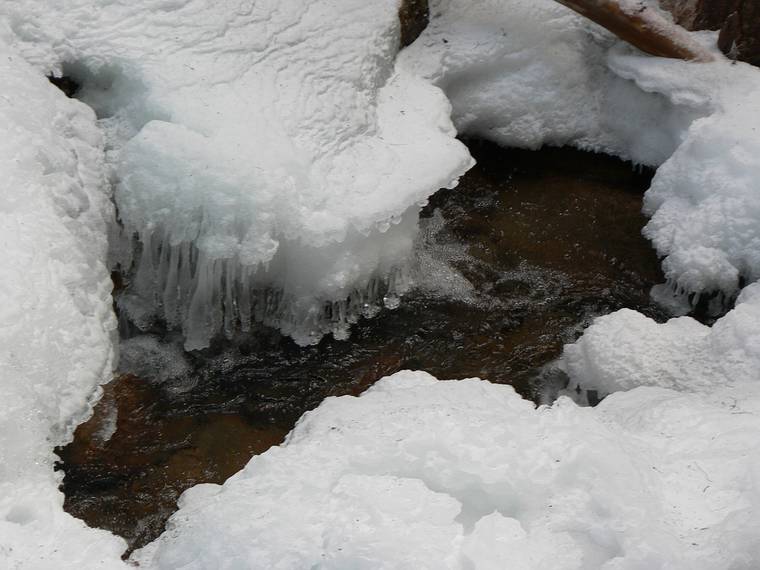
[(663, 473), (56, 321), (268, 155), (417, 473)]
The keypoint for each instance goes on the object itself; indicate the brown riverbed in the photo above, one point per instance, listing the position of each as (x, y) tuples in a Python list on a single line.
[(551, 239)]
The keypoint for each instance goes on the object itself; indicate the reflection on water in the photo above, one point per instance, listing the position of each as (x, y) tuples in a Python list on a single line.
[(541, 242)]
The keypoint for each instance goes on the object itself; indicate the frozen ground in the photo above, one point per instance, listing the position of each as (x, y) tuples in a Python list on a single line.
[(279, 137)]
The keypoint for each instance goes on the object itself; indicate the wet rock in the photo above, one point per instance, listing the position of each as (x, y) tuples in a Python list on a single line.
[(68, 85), (413, 15)]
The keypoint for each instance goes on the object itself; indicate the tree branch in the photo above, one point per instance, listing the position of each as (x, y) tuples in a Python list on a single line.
[(642, 27)]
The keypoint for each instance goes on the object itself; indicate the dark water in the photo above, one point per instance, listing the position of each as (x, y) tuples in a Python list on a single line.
[(550, 240)]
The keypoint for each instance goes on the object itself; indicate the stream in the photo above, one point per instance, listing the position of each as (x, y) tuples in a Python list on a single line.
[(538, 243)]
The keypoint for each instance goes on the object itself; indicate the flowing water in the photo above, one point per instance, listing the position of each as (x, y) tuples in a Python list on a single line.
[(538, 244)]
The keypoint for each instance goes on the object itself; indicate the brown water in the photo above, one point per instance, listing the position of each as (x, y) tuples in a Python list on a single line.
[(553, 240)]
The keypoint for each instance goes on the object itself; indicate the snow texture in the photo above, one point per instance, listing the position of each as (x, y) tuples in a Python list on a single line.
[(418, 473), (266, 154), (56, 320)]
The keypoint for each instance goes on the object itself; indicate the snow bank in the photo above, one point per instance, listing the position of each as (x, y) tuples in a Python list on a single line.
[(533, 73), (56, 319), (418, 473), (271, 160), (266, 153)]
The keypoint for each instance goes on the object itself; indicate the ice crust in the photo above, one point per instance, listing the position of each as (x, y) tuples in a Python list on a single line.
[(56, 320), (267, 154)]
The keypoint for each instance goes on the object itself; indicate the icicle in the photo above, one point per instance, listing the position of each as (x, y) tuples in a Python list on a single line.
[(172, 294)]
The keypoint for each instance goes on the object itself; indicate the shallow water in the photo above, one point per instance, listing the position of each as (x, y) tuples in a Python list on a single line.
[(547, 241)]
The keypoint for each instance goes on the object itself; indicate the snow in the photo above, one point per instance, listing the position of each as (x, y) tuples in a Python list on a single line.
[(704, 200), (267, 154), (528, 74), (56, 322), (419, 473), (626, 349)]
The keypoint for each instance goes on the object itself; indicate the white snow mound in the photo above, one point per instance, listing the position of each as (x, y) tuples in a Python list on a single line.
[(55, 320), (417, 473), (626, 349)]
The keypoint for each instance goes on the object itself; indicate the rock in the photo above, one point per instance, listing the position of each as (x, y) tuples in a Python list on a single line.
[(413, 15)]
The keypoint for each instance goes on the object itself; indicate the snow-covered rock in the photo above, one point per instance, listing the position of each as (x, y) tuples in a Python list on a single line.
[(56, 320), (417, 473), (267, 154), (528, 74)]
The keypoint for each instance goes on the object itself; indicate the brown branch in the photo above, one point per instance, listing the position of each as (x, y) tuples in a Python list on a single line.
[(642, 27)]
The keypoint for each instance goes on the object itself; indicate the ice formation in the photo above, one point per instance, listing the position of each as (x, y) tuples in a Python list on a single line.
[(267, 154), (56, 320)]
